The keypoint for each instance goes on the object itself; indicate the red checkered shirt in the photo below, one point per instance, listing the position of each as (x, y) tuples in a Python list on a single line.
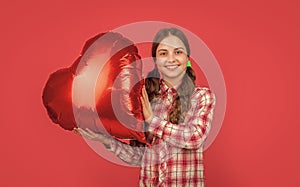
[(175, 155)]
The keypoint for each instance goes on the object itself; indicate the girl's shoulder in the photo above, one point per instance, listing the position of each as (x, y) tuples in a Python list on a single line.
[(202, 91)]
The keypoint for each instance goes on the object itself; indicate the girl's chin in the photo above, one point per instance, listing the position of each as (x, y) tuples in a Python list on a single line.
[(172, 75)]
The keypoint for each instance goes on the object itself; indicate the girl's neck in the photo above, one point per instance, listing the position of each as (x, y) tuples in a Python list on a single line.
[(173, 83)]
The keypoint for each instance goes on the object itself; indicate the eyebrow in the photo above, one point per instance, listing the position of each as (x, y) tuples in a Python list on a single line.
[(174, 49), (179, 48)]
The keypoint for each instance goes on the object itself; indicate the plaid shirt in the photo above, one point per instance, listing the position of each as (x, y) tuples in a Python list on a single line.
[(174, 157)]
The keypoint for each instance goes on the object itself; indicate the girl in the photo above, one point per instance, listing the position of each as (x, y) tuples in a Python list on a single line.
[(177, 116)]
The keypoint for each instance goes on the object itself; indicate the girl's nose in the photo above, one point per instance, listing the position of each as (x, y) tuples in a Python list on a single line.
[(171, 57)]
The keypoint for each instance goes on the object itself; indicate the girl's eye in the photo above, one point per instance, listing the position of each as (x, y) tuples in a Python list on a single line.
[(178, 52), (162, 53)]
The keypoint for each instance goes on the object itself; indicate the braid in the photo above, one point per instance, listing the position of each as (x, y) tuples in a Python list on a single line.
[(152, 83), (182, 102), (190, 72)]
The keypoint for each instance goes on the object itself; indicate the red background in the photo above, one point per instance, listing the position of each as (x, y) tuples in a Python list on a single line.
[(255, 42)]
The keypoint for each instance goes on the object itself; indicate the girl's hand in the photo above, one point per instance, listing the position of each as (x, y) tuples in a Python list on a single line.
[(147, 110), (87, 133)]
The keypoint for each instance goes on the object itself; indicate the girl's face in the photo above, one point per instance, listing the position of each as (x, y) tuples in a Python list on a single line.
[(171, 59)]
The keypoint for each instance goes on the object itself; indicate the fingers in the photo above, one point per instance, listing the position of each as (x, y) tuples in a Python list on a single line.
[(92, 133), (76, 131), (79, 131), (142, 101), (145, 103), (145, 95), (145, 99), (87, 133), (147, 110), (142, 98)]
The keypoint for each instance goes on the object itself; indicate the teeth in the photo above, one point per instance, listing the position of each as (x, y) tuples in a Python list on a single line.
[(172, 67)]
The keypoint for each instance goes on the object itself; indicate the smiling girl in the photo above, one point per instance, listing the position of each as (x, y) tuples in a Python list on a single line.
[(177, 115)]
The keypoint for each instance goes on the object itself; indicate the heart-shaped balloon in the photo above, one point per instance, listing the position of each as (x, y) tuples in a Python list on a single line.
[(100, 90)]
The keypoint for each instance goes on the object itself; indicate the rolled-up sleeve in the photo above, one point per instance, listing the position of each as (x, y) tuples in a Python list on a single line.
[(128, 153)]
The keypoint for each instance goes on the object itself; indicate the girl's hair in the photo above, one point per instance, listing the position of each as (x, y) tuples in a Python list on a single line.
[(181, 103)]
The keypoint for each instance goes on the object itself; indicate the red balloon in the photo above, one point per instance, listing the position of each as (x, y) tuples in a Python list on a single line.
[(100, 90)]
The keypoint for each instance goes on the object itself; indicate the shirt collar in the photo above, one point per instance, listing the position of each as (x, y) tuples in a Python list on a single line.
[(165, 89)]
